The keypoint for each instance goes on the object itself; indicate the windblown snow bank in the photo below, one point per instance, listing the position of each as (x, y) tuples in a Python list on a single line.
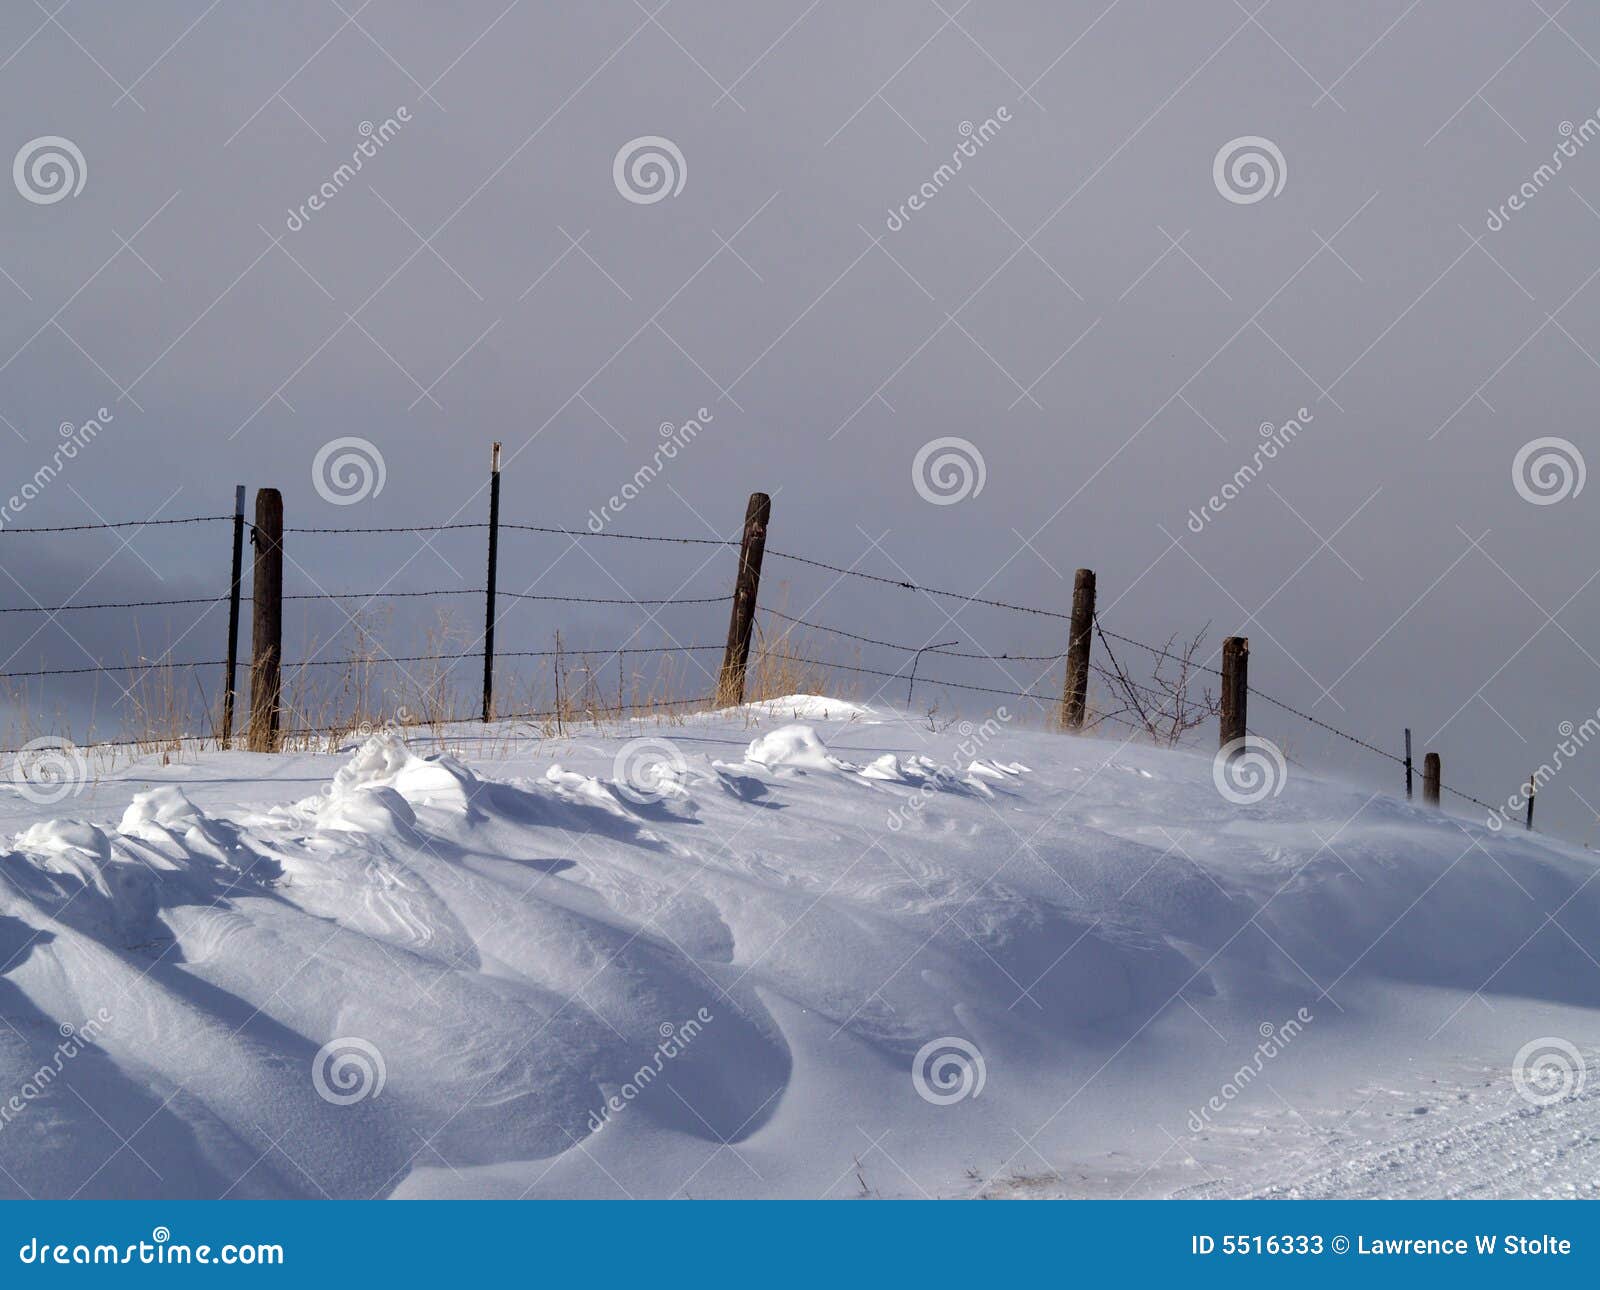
[(804, 948)]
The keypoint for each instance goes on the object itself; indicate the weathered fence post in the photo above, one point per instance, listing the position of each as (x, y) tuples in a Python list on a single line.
[(266, 627), (228, 690), (494, 554), (1430, 780), (1075, 690), (730, 685), (1533, 792), (1235, 687), (1408, 763)]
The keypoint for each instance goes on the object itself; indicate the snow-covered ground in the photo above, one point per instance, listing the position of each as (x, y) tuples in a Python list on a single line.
[(808, 949)]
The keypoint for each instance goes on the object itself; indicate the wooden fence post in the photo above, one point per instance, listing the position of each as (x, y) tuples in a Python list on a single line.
[(1075, 690), (1430, 779), (266, 627), (1235, 687), (730, 685), (494, 554), (228, 690)]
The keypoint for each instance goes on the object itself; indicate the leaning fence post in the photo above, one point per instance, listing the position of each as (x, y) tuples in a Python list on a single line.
[(1235, 687), (1408, 763), (1533, 792), (1075, 691), (266, 627), (1430, 780), (494, 553), (730, 685), (233, 616)]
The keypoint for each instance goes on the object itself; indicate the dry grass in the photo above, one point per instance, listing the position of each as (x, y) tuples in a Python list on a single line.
[(356, 688)]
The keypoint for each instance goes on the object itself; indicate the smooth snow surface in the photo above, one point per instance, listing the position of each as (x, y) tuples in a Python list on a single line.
[(530, 970)]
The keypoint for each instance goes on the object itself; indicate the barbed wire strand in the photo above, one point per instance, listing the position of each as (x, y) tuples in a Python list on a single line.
[(523, 528), (114, 524)]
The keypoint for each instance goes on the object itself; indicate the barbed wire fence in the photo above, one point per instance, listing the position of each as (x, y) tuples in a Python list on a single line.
[(1063, 703)]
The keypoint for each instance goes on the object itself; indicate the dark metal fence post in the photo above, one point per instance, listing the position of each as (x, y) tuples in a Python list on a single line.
[(1408, 763), (228, 690), (494, 554), (266, 654), (1533, 792), (730, 685)]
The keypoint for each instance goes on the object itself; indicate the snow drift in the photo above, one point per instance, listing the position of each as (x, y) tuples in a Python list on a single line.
[(801, 948)]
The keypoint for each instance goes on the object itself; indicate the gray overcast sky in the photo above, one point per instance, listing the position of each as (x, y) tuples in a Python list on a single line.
[(1081, 302)]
